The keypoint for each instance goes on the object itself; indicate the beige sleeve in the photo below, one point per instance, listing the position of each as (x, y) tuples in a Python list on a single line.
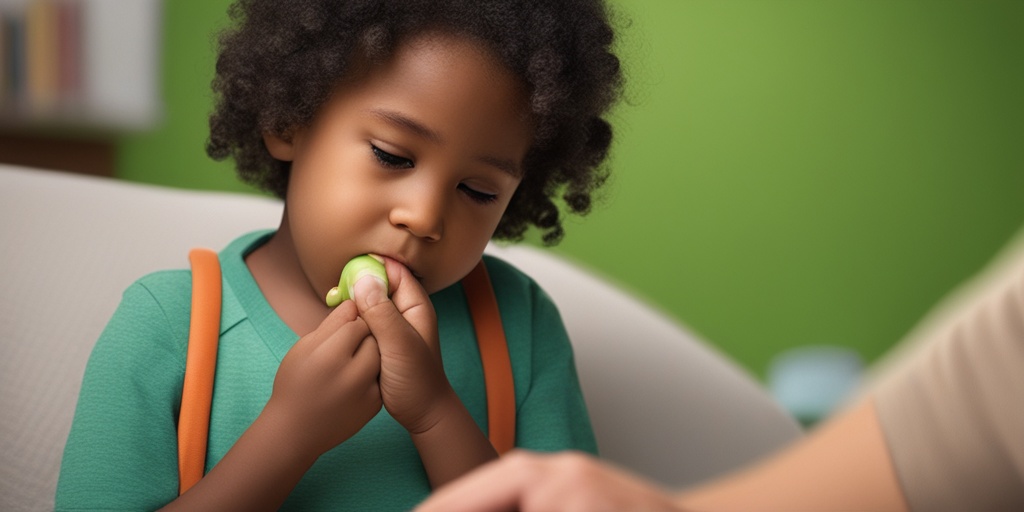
[(954, 415)]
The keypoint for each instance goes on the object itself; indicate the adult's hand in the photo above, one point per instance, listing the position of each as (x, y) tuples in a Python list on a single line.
[(563, 482)]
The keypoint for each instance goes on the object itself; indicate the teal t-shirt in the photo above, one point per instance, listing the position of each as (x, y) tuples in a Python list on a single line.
[(121, 453)]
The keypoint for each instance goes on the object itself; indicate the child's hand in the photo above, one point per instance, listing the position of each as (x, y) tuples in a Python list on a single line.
[(413, 385), (326, 387)]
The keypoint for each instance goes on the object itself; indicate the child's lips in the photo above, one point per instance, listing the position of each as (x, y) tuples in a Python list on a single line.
[(405, 263)]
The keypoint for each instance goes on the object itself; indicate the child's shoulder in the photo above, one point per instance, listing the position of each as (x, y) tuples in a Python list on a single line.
[(168, 278), (169, 288), (525, 305), (502, 271), (512, 284), (153, 312)]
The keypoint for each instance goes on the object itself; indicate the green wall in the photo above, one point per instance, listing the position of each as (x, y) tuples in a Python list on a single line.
[(785, 172), (174, 153)]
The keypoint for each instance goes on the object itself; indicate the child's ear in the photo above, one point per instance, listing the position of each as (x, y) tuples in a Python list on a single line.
[(280, 148)]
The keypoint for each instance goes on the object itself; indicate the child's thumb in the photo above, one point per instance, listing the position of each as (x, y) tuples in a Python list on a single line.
[(369, 291)]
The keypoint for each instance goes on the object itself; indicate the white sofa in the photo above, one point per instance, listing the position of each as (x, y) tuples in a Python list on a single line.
[(664, 404)]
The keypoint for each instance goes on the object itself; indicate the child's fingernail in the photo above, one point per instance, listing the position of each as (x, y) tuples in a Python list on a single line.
[(370, 289)]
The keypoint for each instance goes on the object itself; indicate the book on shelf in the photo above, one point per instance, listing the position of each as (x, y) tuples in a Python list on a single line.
[(41, 52), (81, 63)]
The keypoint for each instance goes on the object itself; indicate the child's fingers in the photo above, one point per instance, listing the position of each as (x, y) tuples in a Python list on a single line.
[(366, 360), (412, 301), (343, 328), (347, 339), (404, 286), (382, 316), (345, 312), (409, 299)]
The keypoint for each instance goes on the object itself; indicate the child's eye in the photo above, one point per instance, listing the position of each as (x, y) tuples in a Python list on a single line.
[(476, 195), (388, 160)]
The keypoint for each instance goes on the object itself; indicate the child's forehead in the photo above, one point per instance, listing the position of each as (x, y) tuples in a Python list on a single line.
[(450, 42), (441, 66), (445, 89), (426, 51)]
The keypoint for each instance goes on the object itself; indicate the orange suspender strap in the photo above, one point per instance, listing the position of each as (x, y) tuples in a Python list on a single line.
[(490, 336), (200, 366)]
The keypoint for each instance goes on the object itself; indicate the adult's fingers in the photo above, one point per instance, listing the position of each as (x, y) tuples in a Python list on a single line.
[(496, 486)]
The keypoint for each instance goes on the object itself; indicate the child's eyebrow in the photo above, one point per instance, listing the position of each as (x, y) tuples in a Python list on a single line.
[(397, 118), (403, 121)]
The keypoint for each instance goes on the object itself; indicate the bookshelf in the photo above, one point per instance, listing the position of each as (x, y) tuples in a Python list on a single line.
[(74, 75)]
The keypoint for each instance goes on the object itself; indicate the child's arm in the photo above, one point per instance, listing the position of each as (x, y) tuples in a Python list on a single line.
[(324, 392), (413, 385)]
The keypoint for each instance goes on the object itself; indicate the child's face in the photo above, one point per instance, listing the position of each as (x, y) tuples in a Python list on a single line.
[(416, 160)]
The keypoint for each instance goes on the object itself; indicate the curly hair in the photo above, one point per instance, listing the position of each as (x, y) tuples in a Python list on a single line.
[(279, 62)]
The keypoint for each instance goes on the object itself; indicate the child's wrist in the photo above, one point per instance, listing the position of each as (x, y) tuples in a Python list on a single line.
[(445, 406), (283, 435)]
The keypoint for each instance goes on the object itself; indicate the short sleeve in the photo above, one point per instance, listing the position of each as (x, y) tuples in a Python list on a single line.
[(551, 412), (554, 411), (953, 417), (121, 452)]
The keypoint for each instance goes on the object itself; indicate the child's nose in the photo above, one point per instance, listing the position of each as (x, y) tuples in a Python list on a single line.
[(421, 214)]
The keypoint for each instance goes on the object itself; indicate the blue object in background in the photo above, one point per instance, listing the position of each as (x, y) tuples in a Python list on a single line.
[(813, 381)]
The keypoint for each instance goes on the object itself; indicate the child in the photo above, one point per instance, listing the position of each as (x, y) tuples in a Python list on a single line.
[(413, 129)]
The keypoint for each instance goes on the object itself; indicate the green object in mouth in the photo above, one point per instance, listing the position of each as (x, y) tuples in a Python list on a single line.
[(356, 268)]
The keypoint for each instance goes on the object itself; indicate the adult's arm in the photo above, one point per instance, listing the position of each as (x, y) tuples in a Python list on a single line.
[(941, 433), (844, 465)]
